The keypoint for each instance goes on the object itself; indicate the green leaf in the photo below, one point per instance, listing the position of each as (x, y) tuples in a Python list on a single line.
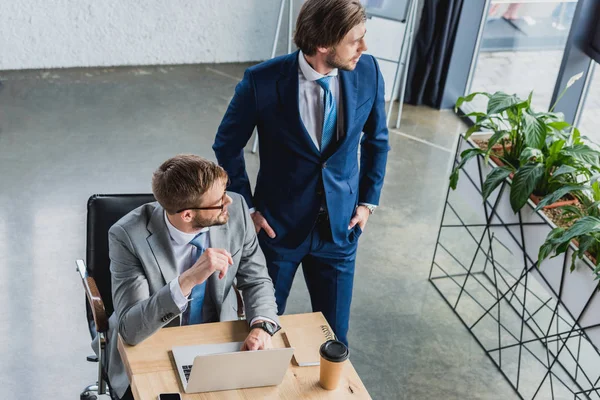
[(559, 194), (465, 156), (595, 190), (494, 179), (556, 147), (496, 137), (594, 178), (512, 114), (559, 125), (583, 153), (523, 105), (472, 129), (454, 179), (571, 210), (576, 136), (585, 243), (555, 116), (534, 131), (500, 101), (525, 181), (553, 238), (528, 154), (564, 169), (562, 247), (476, 114), (592, 209), (583, 226), (493, 140), (468, 98)]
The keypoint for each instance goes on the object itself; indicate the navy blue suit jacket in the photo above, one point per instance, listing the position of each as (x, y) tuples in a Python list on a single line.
[(294, 176)]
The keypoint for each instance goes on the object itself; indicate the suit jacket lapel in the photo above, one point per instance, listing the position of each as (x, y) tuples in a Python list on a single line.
[(159, 244), (219, 239), (349, 86), (287, 93)]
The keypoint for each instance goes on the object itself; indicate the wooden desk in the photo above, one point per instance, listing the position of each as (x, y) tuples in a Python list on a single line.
[(152, 371)]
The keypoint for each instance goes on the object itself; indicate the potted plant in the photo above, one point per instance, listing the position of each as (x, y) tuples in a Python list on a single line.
[(538, 150), (585, 230)]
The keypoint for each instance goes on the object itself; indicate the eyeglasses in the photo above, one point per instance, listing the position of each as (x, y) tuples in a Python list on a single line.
[(206, 208)]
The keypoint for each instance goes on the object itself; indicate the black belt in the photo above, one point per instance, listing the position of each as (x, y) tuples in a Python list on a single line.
[(323, 226), (322, 217)]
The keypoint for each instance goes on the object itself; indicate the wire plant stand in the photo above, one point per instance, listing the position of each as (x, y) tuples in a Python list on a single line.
[(539, 326)]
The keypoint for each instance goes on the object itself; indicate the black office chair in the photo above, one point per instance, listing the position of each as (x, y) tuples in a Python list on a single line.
[(103, 210)]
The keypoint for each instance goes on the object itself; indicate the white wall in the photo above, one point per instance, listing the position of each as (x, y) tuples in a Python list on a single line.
[(81, 33), (39, 34)]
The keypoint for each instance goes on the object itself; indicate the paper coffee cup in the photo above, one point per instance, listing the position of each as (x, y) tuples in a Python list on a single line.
[(333, 359)]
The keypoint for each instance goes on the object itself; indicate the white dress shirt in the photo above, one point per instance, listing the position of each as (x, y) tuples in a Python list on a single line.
[(311, 98), (185, 256)]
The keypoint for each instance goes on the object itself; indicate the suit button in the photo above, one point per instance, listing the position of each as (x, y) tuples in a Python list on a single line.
[(324, 165)]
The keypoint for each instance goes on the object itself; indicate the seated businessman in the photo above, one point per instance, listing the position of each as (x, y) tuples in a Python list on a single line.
[(173, 262)]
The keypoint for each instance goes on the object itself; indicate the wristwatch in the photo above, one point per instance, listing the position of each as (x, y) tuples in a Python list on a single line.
[(266, 326), (370, 207)]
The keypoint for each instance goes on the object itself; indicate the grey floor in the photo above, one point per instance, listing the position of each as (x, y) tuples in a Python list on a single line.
[(65, 135)]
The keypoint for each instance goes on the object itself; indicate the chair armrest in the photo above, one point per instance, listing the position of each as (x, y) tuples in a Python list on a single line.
[(93, 296)]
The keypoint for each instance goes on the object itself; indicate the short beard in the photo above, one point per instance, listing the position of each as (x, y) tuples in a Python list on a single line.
[(334, 62), (199, 223)]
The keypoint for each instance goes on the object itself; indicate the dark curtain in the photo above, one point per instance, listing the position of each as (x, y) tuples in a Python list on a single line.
[(431, 52)]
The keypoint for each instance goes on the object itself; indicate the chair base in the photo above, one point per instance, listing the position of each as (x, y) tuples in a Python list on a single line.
[(87, 396), (91, 393)]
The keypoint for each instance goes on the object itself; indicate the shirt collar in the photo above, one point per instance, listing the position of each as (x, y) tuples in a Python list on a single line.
[(309, 73), (180, 237)]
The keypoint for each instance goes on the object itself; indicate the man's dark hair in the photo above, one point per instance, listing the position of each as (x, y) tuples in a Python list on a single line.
[(324, 23)]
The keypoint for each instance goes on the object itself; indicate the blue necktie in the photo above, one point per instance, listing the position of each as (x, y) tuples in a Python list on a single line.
[(193, 314), (329, 114)]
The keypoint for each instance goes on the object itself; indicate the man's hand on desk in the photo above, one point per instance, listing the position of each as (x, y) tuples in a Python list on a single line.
[(257, 339)]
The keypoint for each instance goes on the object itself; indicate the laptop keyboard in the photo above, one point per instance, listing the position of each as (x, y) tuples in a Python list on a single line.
[(187, 370)]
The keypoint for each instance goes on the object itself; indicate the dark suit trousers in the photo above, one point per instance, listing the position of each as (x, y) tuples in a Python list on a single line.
[(328, 271)]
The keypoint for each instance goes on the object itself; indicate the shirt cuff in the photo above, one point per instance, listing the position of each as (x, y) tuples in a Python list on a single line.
[(367, 204), (263, 319), (251, 210), (178, 298)]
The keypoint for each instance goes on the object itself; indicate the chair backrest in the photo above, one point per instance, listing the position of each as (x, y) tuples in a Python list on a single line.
[(103, 210)]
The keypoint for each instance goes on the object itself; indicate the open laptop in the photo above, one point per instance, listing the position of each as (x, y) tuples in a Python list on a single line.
[(212, 367)]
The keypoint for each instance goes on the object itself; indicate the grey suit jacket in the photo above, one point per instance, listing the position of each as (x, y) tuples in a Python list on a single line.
[(142, 265)]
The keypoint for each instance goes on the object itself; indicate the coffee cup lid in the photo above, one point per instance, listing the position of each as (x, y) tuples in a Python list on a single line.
[(334, 351)]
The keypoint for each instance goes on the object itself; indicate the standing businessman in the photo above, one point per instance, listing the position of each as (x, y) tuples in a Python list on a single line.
[(312, 201)]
